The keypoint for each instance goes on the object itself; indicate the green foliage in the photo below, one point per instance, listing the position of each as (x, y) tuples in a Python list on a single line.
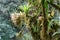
[(39, 7), (36, 5), (25, 8), (34, 28), (46, 6), (56, 35)]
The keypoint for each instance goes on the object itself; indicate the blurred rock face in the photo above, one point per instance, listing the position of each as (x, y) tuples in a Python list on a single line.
[(7, 30)]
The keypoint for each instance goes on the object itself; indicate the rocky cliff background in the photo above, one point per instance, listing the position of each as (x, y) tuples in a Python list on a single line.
[(7, 30)]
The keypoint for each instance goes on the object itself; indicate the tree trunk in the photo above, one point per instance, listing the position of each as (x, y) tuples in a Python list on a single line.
[(44, 35)]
